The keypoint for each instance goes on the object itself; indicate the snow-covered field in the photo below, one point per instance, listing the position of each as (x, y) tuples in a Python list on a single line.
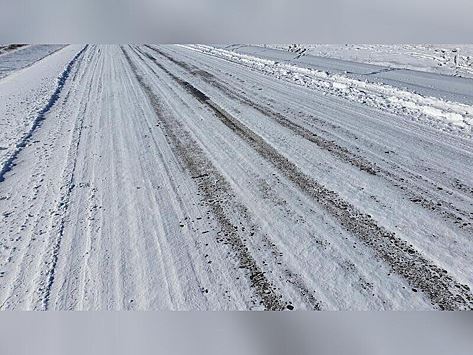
[(232, 177), (15, 58), (441, 58), (6, 48)]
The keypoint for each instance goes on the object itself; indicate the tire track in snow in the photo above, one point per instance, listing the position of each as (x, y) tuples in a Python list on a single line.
[(459, 218), (63, 205), (422, 274), (287, 275), (216, 194)]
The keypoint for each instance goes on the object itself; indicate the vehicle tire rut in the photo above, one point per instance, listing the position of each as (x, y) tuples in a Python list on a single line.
[(459, 218), (403, 258), (216, 194)]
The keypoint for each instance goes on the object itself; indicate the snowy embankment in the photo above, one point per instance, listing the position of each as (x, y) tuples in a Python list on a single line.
[(443, 114), (17, 58), (435, 58), (24, 94)]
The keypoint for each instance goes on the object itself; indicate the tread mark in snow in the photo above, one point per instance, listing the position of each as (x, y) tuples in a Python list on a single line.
[(212, 184), (438, 206), (442, 289), (62, 206)]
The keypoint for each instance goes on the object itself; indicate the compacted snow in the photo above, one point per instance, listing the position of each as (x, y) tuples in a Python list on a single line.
[(198, 177)]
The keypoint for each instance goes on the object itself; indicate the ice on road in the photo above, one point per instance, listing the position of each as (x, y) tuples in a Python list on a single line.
[(203, 178)]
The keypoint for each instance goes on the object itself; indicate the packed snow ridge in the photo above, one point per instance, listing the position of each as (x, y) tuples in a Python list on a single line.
[(446, 59), (447, 115)]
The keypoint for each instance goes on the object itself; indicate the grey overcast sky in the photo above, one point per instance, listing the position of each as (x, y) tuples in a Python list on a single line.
[(210, 21)]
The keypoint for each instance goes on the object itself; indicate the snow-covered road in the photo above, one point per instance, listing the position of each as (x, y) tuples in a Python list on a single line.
[(181, 177)]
